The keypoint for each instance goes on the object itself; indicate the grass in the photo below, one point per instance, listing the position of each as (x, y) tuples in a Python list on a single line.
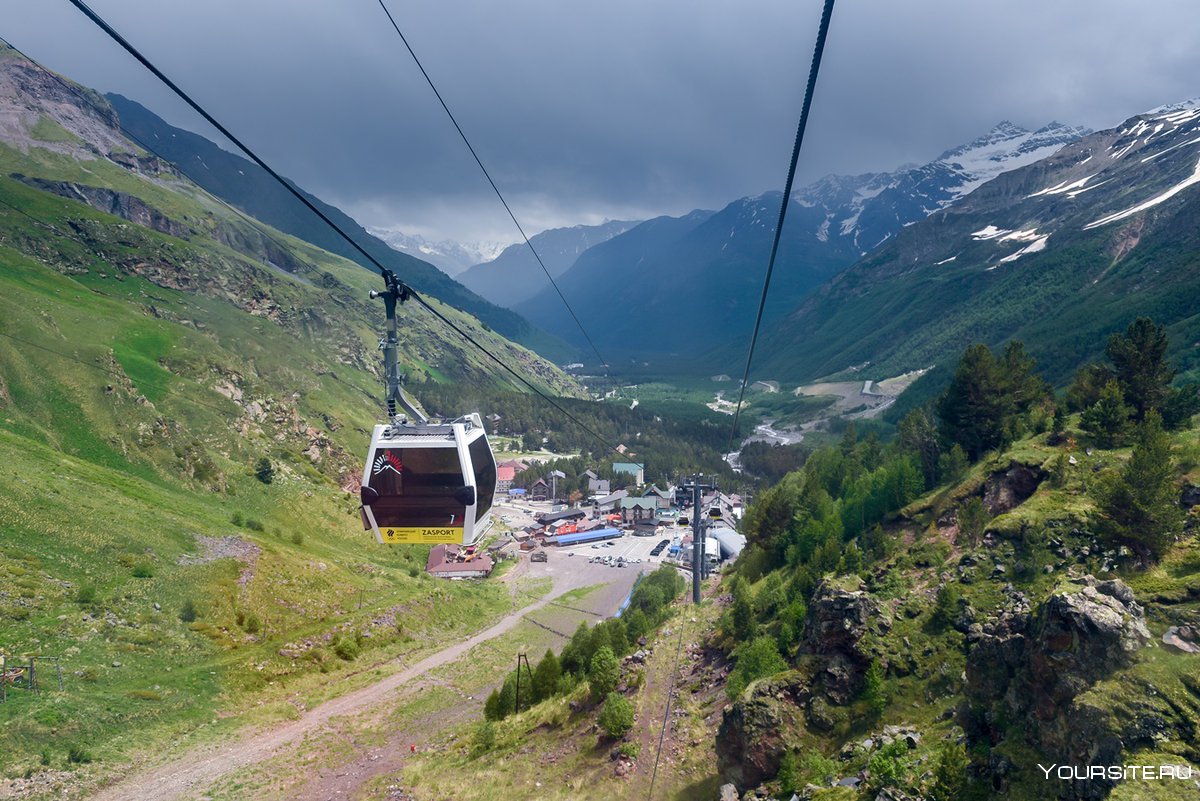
[(47, 129), (117, 453)]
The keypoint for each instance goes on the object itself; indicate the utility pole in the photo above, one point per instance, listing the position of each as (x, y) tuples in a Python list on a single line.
[(697, 542), (521, 658)]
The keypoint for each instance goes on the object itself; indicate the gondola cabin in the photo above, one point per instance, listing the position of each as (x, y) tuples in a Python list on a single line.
[(429, 483)]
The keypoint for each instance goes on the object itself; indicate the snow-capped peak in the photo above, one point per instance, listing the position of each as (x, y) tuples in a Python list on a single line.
[(448, 256), (869, 208)]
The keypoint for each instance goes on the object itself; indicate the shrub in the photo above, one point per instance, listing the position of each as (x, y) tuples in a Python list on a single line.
[(85, 595), (630, 750), (483, 739), (264, 471), (187, 613), (755, 659), (254, 525), (253, 625), (945, 608), (143, 570), (888, 766), (346, 647), (78, 755), (297, 538), (237, 519), (789, 774), (616, 716)]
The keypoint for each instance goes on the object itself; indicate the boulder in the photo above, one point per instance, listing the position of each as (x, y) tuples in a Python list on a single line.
[(758, 728), (1081, 637), (728, 793), (1033, 666), (838, 618)]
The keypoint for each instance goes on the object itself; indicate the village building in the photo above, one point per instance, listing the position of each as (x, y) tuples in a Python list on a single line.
[(456, 562), (662, 497), (609, 503), (635, 509), (504, 478), (638, 471)]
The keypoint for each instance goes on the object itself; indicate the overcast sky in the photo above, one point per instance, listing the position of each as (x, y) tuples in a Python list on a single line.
[(623, 109)]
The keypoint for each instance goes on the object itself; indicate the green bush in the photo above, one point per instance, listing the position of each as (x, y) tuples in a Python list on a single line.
[(630, 750), (297, 538), (187, 613), (85, 595), (755, 659), (888, 766), (346, 647), (264, 471), (483, 739), (616, 716)]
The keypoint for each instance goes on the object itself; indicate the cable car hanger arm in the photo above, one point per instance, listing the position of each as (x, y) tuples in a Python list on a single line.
[(397, 292)]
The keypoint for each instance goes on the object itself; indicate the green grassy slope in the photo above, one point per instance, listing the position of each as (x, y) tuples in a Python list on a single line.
[(143, 375)]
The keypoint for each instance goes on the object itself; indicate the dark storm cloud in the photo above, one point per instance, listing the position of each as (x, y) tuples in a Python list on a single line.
[(621, 109)]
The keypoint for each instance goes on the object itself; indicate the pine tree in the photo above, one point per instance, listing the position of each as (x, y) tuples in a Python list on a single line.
[(1140, 366), (545, 677), (603, 673), (918, 435), (1107, 420), (973, 410), (874, 691), (1139, 505), (950, 774)]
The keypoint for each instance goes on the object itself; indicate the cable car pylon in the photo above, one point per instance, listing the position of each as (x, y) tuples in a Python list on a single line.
[(424, 482)]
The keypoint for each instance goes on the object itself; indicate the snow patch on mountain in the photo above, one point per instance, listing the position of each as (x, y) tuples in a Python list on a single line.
[(1191, 180), (866, 210)]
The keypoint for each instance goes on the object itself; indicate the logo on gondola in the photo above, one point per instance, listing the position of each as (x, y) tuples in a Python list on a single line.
[(388, 460)]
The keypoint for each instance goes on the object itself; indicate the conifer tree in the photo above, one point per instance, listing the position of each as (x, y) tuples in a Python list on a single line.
[(1139, 505), (1107, 420)]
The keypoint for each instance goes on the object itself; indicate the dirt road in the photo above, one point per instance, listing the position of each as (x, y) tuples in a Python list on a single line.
[(189, 775)]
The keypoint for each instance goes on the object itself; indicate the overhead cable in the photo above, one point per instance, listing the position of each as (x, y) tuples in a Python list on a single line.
[(495, 188), (133, 51), (818, 51)]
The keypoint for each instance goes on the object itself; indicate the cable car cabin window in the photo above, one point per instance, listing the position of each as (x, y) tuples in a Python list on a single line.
[(416, 487), (484, 465)]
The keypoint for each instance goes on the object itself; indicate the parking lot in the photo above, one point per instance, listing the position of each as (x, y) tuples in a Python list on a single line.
[(580, 565)]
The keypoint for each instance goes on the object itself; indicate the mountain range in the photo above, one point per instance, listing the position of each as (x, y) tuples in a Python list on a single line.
[(514, 275), (707, 267), (449, 256), (1060, 253)]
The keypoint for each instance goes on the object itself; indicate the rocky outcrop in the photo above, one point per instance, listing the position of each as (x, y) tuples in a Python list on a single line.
[(119, 204), (1082, 637), (1007, 489), (759, 727), (1034, 665), (838, 620)]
